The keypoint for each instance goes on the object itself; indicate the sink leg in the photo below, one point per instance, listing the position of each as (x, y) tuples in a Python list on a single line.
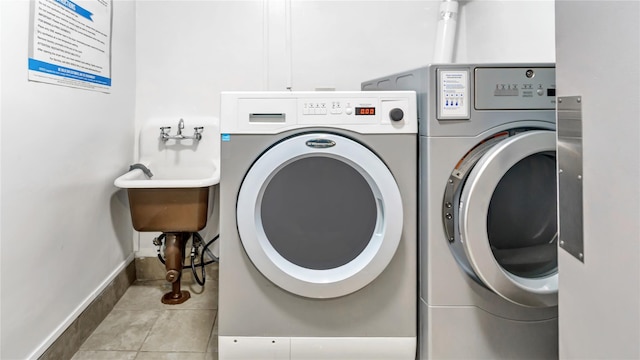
[(175, 244)]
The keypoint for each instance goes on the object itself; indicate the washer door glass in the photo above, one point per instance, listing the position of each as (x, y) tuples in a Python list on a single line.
[(507, 219), (319, 215), (318, 212)]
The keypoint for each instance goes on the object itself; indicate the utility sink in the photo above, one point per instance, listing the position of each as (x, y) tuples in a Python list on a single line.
[(177, 197)]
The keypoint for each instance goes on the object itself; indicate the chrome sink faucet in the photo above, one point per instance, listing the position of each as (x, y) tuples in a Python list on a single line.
[(180, 127), (164, 133)]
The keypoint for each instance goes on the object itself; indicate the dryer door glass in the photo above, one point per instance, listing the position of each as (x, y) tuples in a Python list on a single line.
[(318, 212), (507, 218), (522, 217), (319, 215)]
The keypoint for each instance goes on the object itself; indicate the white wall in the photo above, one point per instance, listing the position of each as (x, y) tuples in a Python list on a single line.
[(1, 51), (339, 44), (598, 58), (189, 51), (65, 228), (506, 31)]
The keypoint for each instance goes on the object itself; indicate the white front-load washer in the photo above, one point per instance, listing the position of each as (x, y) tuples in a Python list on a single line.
[(318, 225), (488, 209)]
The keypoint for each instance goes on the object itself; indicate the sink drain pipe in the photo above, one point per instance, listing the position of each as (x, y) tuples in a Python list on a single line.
[(174, 246), (196, 243)]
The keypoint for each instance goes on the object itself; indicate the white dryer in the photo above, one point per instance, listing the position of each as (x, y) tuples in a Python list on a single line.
[(488, 219), (318, 225)]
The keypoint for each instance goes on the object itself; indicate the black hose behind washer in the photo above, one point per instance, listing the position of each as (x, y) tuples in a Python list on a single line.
[(202, 264)]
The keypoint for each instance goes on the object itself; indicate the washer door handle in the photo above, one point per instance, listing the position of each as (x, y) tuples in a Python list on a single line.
[(320, 143)]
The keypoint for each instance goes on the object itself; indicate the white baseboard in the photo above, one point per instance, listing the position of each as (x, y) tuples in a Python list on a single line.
[(314, 348), (78, 310)]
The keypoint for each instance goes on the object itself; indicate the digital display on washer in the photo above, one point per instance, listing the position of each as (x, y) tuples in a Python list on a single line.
[(365, 110)]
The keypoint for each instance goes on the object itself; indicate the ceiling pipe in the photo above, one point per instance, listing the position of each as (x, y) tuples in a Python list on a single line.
[(446, 33)]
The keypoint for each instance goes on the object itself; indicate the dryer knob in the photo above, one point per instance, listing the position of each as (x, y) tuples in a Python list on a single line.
[(396, 114)]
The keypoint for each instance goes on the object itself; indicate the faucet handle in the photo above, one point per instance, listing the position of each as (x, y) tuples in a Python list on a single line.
[(164, 133), (197, 132)]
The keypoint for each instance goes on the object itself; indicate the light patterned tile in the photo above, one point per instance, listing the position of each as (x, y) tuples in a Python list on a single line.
[(141, 297), (169, 356), (122, 330), (104, 355), (147, 295), (181, 330), (201, 297), (211, 356), (212, 347), (141, 322)]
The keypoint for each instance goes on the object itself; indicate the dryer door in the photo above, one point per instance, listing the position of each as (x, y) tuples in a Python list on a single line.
[(319, 215), (506, 217)]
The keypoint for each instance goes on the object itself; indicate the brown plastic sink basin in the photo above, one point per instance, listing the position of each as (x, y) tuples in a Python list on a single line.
[(169, 210)]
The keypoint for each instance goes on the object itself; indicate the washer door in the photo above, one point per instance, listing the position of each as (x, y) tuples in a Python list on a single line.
[(319, 215), (504, 227)]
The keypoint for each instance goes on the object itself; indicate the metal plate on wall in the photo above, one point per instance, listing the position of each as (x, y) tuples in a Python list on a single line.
[(570, 211)]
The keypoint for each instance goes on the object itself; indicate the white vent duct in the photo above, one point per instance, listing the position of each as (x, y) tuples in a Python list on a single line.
[(446, 33)]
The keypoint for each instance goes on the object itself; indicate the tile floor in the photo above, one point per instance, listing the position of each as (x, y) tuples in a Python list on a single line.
[(140, 327)]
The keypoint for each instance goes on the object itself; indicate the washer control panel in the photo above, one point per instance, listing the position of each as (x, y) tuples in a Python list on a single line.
[(359, 111), (352, 111), (334, 107)]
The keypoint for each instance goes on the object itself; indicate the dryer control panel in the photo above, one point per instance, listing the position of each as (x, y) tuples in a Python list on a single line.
[(494, 88), (515, 88)]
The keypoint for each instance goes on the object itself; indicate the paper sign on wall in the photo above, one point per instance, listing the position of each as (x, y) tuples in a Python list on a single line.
[(70, 43)]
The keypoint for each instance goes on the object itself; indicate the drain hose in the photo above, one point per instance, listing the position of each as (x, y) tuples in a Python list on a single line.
[(202, 264)]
